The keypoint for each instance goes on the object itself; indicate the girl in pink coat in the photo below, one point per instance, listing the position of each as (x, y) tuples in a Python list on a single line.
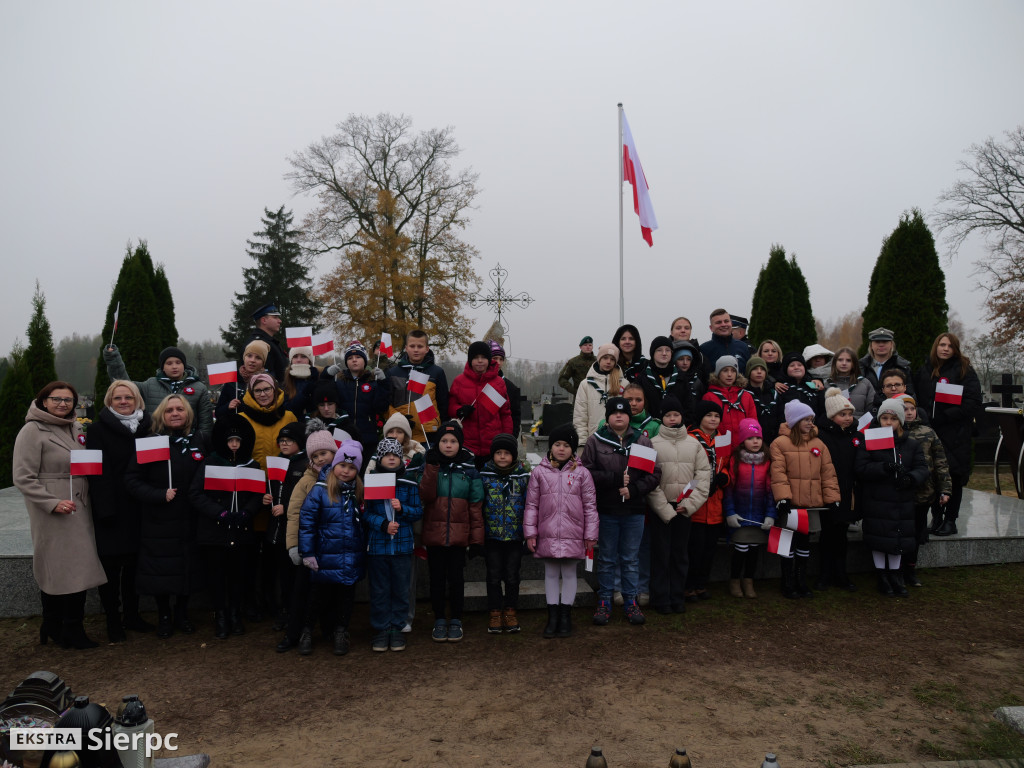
[(560, 524)]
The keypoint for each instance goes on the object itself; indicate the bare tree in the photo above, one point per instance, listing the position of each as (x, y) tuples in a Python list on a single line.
[(988, 199)]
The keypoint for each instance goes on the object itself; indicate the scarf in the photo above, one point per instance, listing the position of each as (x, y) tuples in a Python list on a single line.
[(131, 421), (746, 457)]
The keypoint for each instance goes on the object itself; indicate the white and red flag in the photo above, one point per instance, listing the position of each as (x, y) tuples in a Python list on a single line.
[(250, 479), (687, 490), (89, 462), (386, 348), (299, 337), (633, 172), (150, 449), (117, 311), (879, 439), (425, 409), (797, 520), (322, 343), (417, 382), (379, 485), (492, 399), (341, 436), (723, 441), (219, 479), (950, 394), (222, 373), (277, 468), (780, 541), (864, 422), (642, 457)]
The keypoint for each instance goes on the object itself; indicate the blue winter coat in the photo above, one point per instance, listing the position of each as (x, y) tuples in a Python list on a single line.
[(377, 518), (504, 501), (749, 495), (333, 534)]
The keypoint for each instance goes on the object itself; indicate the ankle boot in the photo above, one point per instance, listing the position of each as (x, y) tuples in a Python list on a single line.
[(235, 622), (181, 620), (494, 625), (788, 580), (551, 628), (936, 523), (75, 637), (220, 624), (341, 641), (306, 641), (748, 588), (898, 587), (164, 626), (800, 569), (564, 621), (884, 587), (948, 528), (115, 631), (734, 588), (509, 620), (50, 628)]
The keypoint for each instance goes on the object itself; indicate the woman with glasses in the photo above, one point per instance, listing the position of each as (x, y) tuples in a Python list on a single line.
[(64, 559)]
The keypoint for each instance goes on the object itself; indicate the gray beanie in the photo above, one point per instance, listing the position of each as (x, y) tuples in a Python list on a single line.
[(893, 405), (726, 361)]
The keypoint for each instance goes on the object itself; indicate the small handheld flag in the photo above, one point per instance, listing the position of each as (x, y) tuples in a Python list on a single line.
[(379, 486), (386, 348), (642, 457), (418, 382), (222, 373), (723, 441), (341, 436), (950, 394), (117, 311), (780, 541), (299, 337), (879, 439), (277, 468), (864, 422), (219, 479), (687, 490), (797, 520), (322, 343), (250, 479), (88, 462), (150, 449), (492, 399), (425, 409)]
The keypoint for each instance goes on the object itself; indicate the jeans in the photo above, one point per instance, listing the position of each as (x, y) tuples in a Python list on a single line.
[(389, 590), (618, 545), (504, 559)]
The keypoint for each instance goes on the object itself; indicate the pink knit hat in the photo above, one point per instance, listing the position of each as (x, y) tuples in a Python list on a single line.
[(747, 428), (262, 377)]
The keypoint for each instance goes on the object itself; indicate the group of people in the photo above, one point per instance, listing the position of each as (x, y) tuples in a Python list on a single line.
[(665, 455)]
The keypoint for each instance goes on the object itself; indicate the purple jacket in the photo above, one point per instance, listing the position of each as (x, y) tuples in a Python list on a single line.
[(561, 509)]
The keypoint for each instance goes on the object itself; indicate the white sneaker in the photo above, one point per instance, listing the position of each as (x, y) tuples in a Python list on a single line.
[(643, 599), (407, 628), (617, 598)]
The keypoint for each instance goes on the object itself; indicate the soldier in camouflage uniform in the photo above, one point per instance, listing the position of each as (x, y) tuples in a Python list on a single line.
[(575, 371)]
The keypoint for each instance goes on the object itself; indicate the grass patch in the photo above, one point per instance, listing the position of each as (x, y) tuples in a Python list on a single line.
[(855, 754), (994, 740), (941, 695)]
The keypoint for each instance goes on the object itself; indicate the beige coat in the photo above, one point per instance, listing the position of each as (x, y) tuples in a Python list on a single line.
[(299, 494), (681, 459), (805, 475), (64, 558), (588, 410)]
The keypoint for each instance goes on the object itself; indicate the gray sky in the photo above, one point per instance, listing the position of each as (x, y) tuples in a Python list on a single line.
[(814, 125)]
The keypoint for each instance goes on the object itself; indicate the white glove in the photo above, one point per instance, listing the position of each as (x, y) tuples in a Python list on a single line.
[(378, 374), (333, 370), (293, 554), (767, 524), (733, 521)]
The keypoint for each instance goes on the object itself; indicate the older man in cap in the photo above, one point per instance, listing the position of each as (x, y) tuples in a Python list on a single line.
[(882, 357), (268, 322), (575, 371)]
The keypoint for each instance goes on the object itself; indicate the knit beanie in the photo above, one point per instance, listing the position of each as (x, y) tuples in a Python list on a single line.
[(565, 433), (608, 349), (356, 348), (907, 399), (258, 348), (670, 403), (388, 445), (793, 357), (398, 420), (894, 406), (170, 352), (293, 431), (747, 428), (451, 428), (479, 349), (726, 361), (496, 349), (703, 408), (307, 351), (616, 405), (797, 411), (262, 377), (755, 362), (835, 402), (318, 438), (349, 452), (505, 442), (325, 391), (660, 341)]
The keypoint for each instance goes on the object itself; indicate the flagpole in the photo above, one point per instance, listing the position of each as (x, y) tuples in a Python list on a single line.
[(622, 310)]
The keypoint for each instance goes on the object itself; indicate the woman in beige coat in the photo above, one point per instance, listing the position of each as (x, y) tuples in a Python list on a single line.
[(64, 559)]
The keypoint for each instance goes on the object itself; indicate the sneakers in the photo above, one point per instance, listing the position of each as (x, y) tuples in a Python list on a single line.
[(381, 642), (440, 633), (454, 630), (603, 613), (397, 641), (617, 598), (509, 620), (634, 614), (494, 626), (407, 628), (644, 599)]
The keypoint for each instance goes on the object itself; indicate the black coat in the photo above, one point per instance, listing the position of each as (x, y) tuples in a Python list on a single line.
[(954, 424), (277, 361), (515, 403), (842, 446), (887, 504), (282, 492), (765, 398), (689, 390), (114, 512), (168, 553)]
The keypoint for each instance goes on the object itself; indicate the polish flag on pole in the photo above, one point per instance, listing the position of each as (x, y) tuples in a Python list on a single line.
[(798, 521), (219, 479), (879, 439), (386, 348), (277, 468), (780, 541), (150, 449), (864, 422), (950, 394), (222, 373), (322, 343), (250, 479), (425, 409), (633, 172), (690, 487), (341, 436), (86, 463), (492, 399), (299, 337), (418, 382), (642, 457), (379, 486), (723, 441)]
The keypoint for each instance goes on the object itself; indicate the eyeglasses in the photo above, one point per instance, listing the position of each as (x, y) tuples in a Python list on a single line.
[(894, 385), (263, 391), (61, 400)]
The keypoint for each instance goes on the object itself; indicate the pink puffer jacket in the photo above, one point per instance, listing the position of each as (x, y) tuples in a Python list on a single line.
[(561, 509)]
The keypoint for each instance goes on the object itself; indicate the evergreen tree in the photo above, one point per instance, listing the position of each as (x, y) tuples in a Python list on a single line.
[(771, 311), (908, 290), (164, 308), (805, 332), (280, 276), (40, 354), (138, 336), (15, 396)]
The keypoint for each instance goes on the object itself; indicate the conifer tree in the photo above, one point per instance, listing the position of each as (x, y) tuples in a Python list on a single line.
[(804, 330), (15, 396), (40, 355), (164, 308), (908, 290), (771, 312), (279, 276)]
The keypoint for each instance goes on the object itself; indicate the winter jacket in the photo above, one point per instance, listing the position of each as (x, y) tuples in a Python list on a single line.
[(401, 399), (606, 455), (482, 425), (588, 410), (719, 346), (689, 387), (868, 370), (299, 493), (364, 399), (561, 510), (658, 382), (681, 459), (282, 490), (64, 556), (765, 398), (413, 451), (168, 550), (804, 475), (860, 392), (453, 497), (938, 481), (379, 513), (641, 423), (737, 404), (299, 402), (749, 494), (115, 513), (332, 532), (887, 500), (277, 361), (504, 500), (804, 392), (842, 449), (266, 422), (710, 512), (575, 371), (954, 424)]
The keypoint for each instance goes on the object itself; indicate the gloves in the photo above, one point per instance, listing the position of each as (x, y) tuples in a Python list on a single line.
[(311, 563), (767, 524), (721, 480), (782, 507), (225, 516), (464, 412), (333, 370), (733, 521), (293, 554), (475, 550), (433, 457), (378, 374)]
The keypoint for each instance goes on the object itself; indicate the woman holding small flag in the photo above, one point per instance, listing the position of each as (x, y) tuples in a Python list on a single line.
[(64, 559), (949, 392), (300, 379)]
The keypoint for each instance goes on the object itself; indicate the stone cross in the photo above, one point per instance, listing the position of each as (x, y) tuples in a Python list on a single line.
[(1007, 389), (499, 300)]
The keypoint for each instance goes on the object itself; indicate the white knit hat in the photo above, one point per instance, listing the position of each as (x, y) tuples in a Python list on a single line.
[(835, 402)]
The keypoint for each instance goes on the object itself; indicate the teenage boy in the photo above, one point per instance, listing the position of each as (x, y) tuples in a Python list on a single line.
[(418, 357)]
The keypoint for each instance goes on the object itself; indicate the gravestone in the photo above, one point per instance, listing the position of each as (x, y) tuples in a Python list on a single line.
[(1011, 430)]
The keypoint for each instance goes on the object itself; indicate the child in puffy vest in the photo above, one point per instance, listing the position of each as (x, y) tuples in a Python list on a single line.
[(748, 506), (505, 478), (706, 522)]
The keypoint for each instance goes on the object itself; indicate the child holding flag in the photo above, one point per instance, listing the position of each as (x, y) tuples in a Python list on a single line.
[(840, 435), (413, 376), (706, 522), (392, 503), (284, 472), (479, 400), (890, 467), (802, 477), (363, 392)]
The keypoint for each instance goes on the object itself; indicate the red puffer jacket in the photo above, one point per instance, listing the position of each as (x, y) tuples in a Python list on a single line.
[(483, 424)]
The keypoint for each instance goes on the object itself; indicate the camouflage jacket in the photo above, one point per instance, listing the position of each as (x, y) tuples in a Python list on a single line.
[(938, 467)]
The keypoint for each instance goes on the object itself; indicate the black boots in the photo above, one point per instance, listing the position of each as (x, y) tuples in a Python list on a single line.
[(220, 624), (800, 570), (948, 528), (306, 642), (235, 622), (551, 628), (72, 627), (341, 641), (564, 621), (788, 578), (181, 620), (884, 587), (936, 523), (164, 626), (899, 589)]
